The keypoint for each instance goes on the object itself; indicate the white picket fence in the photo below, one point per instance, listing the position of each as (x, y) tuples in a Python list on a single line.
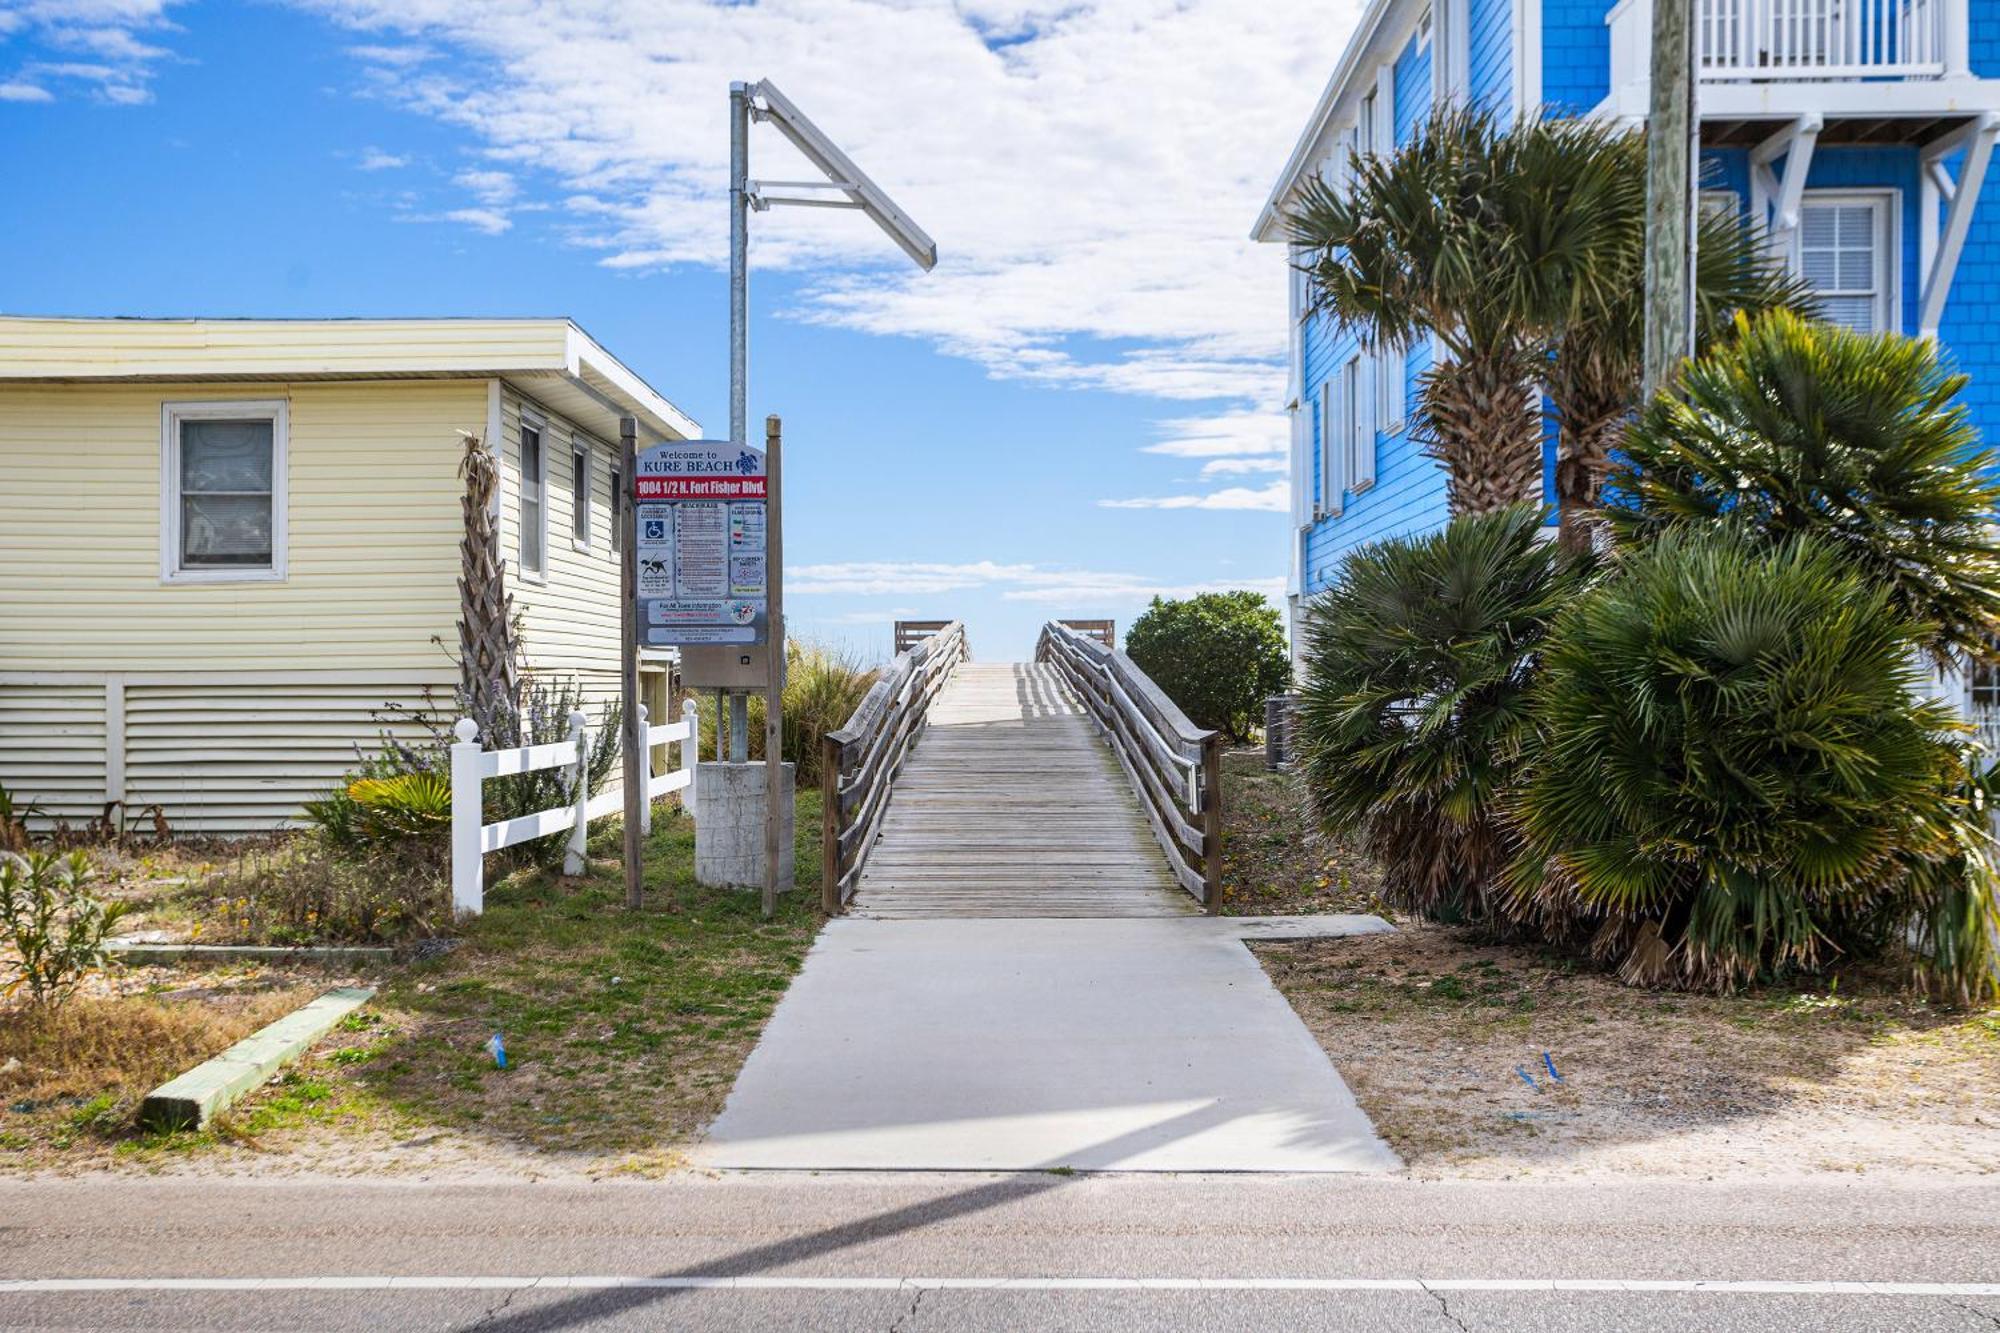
[(471, 765)]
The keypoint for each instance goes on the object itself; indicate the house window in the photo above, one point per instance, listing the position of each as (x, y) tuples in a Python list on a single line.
[(222, 490), (579, 501), (1368, 131), (534, 502), (617, 509), (1842, 251), (1424, 32)]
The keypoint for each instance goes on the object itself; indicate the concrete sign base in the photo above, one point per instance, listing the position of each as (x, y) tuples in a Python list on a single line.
[(729, 825)]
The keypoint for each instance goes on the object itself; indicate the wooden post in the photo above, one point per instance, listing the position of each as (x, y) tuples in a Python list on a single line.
[(774, 690), (625, 515), (468, 818), (1211, 823), (829, 825), (1671, 135)]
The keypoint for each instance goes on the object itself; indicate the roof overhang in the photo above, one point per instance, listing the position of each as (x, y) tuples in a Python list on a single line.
[(551, 359), (1368, 33)]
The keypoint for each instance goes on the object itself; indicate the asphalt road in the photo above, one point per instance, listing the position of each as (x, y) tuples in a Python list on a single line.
[(772, 1251)]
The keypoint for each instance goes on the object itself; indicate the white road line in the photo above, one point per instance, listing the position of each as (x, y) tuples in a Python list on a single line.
[(59, 1285)]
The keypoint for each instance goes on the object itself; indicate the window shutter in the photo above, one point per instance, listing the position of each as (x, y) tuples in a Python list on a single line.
[(1389, 389), (1332, 482), (1360, 423)]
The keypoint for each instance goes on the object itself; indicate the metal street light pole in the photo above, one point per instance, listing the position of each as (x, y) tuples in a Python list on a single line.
[(739, 344)]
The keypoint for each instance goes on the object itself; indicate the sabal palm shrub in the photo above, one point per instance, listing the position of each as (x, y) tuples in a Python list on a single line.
[(1413, 715), (1735, 775), (1796, 427)]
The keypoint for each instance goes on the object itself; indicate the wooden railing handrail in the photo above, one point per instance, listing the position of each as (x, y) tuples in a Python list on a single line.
[(1175, 767), (858, 761)]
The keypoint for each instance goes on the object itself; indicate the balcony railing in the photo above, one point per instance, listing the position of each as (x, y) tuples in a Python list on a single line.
[(1793, 40), (1821, 39)]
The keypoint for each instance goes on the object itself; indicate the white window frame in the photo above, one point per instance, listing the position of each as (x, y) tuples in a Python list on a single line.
[(1888, 206), (1424, 32), (540, 426), (617, 484), (1391, 389), (581, 472), (172, 414)]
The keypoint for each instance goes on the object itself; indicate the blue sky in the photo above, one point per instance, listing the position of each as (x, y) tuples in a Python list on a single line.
[(1074, 411)]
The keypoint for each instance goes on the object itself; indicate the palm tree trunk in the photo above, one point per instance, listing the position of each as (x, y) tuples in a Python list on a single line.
[(1587, 441), (1479, 419)]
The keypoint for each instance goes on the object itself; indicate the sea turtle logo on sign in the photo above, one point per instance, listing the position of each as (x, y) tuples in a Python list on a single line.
[(701, 563)]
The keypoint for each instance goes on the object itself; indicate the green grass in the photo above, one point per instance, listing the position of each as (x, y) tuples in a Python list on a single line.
[(624, 1029)]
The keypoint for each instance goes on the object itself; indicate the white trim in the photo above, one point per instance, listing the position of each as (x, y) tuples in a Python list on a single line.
[(172, 414), (580, 499), (114, 737), (1888, 202), (1527, 58), (1357, 422), (1769, 195), (1940, 250), (303, 674), (531, 422), (497, 443)]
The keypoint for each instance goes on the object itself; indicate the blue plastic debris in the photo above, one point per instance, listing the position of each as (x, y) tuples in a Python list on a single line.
[(1527, 1078), (1552, 1067), (497, 1049)]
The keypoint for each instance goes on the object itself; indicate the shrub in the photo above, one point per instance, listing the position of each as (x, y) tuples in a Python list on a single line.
[(1736, 777), (1413, 716), (400, 795), (55, 926), (1797, 427), (1218, 655), (823, 687), (308, 890)]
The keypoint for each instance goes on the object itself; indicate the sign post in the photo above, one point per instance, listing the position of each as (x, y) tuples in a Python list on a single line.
[(774, 689), (635, 727)]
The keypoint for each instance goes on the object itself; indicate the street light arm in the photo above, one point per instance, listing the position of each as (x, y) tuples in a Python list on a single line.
[(840, 169)]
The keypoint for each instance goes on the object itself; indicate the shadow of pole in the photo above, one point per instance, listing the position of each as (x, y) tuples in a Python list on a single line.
[(598, 1303)]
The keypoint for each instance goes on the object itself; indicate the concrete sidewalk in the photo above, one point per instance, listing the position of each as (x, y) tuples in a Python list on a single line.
[(1022, 1044)]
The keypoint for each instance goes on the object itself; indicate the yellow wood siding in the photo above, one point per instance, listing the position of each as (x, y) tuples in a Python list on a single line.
[(52, 748), (59, 348), (372, 557), (570, 620)]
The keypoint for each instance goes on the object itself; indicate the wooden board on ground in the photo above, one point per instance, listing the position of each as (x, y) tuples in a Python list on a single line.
[(1011, 805)]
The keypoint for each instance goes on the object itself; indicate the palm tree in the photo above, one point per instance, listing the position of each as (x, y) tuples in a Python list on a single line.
[(1484, 237), (1521, 249), (1594, 373)]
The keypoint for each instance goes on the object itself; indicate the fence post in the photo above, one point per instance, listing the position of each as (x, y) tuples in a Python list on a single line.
[(645, 773), (1211, 822), (829, 825), (579, 733), (690, 752), (468, 818)]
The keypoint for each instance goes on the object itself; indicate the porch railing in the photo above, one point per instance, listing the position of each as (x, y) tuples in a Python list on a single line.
[(1784, 40)]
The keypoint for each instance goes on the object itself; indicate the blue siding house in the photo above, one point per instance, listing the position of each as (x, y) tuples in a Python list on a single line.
[(1857, 131)]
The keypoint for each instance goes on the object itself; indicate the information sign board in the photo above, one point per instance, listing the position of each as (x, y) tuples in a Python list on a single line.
[(701, 557)]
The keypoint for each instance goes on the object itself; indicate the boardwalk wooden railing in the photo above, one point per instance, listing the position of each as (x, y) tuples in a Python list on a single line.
[(858, 763), (1173, 765)]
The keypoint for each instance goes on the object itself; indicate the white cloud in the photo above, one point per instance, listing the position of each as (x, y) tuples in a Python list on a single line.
[(1014, 583), (493, 188), (1275, 498), (487, 220), (121, 64), (1234, 466), (1090, 168), (375, 159)]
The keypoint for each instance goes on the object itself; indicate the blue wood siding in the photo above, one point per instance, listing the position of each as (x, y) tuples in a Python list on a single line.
[(1408, 494), (1576, 55), (1490, 53)]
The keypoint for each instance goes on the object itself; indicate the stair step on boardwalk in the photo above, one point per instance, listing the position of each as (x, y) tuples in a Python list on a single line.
[(1011, 805)]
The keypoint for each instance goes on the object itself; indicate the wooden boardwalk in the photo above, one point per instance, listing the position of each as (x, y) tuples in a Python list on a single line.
[(1011, 805)]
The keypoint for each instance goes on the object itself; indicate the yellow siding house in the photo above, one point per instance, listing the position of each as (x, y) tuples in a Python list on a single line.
[(228, 547)]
